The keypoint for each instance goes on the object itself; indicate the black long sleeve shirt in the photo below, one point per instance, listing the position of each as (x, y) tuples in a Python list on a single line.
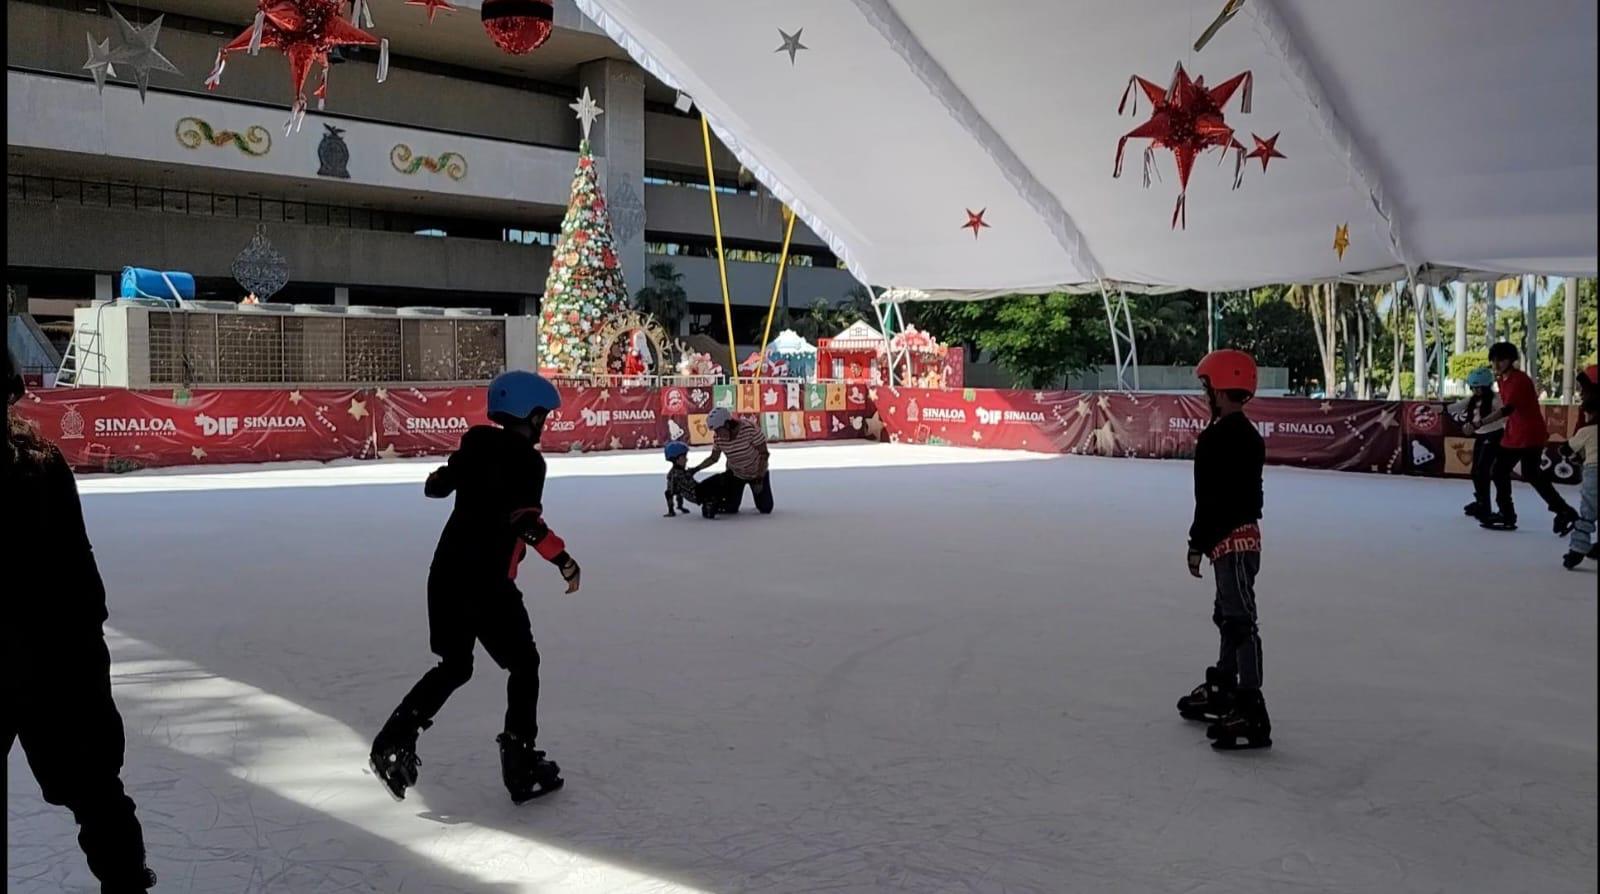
[(1228, 460), (498, 481)]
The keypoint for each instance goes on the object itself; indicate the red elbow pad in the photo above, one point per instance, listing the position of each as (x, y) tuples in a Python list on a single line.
[(530, 526)]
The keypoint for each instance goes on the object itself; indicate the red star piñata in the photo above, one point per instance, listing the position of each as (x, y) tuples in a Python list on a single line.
[(1187, 120), (306, 31)]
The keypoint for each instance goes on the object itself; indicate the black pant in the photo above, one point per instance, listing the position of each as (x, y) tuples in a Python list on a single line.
[(1510, 458), (1483, 453), (1234, 613), (462, 612), (60, 707), (729, 491)]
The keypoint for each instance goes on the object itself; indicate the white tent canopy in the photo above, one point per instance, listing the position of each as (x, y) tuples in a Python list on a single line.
[(1452, 136)]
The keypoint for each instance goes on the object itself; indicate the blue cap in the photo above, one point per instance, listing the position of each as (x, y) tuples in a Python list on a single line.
[(676, 449), (1482, 377)]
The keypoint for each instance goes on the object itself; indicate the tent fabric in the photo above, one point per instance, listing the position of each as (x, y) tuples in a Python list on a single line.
[(1456, 138)]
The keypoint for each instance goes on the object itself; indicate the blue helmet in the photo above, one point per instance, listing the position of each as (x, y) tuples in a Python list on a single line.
[(676, 449), (1482, 377), (518, 394)]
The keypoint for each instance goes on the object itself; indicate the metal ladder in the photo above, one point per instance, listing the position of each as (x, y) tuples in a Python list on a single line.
[(72, 360)]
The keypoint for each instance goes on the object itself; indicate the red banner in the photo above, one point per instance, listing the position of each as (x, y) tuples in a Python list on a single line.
[(1345, 435), (114, 430)]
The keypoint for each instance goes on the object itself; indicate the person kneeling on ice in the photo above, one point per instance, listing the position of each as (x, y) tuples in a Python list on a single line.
[(497, 476), (1485, 438), (1228, 462), (746, 448), (681, 485), (1582, 543), (1522, 446)]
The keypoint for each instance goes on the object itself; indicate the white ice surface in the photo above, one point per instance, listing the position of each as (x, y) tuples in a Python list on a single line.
[(931, 670)]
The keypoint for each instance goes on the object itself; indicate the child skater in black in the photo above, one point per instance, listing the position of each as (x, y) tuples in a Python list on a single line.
[(681, 485), (1228, 461), (497, 476), (1485, 438)]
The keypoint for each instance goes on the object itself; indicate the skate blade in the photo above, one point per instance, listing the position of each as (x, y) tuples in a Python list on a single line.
[(1489, 527), (1238, 745), (1199, 716), (555, 785), (378, 774)]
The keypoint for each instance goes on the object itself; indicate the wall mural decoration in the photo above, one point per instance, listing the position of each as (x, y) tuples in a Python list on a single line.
[(451, 164), (333, 155), (195, 132)]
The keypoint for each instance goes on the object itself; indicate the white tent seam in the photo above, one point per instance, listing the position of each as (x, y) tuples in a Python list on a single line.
[(1276, 35), (646, 60), (888, 23)]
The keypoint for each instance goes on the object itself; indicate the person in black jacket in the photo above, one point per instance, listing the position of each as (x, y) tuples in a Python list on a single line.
[(497, 476), (58, 671), (1228, 462)]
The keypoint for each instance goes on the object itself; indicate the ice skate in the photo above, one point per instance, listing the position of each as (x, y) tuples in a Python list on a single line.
[(144, 880), (1497, 522), (1210, 700), (1248, 721), (394, 753), (1564, 522), (1572, 560), (1475, 510), (526, 772)]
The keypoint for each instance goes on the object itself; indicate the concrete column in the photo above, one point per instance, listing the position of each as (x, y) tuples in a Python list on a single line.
[(104, 287), (618, 138), (341, 296), (1569, 344)]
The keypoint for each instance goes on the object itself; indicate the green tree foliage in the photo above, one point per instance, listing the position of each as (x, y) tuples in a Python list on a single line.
[(664, 298), (1462, 365)]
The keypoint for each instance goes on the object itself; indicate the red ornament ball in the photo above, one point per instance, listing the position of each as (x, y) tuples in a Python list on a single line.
[(517, 26)]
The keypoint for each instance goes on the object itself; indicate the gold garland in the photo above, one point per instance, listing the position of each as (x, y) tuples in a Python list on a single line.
[(667, 348), (453, 164), (192, 133)]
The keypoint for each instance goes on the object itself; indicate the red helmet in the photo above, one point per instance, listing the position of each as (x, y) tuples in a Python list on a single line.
[(1228, 370), (1592, 373)]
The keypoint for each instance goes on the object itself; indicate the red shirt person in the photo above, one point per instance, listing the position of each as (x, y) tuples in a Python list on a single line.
[(1522, 448)]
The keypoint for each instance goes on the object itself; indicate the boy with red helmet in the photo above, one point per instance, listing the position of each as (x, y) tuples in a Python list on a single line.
[(1228, 461)]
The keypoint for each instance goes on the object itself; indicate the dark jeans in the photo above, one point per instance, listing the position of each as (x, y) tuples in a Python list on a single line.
[(60, 707), (728, 489), (1508, 459), (1483, 454), (464, 612), (1234, 613)]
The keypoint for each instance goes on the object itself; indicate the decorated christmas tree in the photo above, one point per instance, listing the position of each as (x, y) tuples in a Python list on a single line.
[(585, 285)]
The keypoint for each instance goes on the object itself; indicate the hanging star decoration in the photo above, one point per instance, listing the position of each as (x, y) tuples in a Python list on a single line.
[(136, 49), (791, 44), (1266, 149), (1187, 120), (433, 7), (1341, 239), (975, 221), (1229, 9), (588, 110), (306, 31), (99, 64)]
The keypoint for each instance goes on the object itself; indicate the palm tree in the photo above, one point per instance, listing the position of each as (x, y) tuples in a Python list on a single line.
[(664, 298)]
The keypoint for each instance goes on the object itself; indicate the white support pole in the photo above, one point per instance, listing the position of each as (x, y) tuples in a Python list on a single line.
[(1530, 325), (1569, 344), (1211, 322)]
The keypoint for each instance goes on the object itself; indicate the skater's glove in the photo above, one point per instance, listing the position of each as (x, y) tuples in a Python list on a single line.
[(570, 572), (1195, 557), (439, 484)]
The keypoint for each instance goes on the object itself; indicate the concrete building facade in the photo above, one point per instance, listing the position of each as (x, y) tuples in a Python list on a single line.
[(97, 180)]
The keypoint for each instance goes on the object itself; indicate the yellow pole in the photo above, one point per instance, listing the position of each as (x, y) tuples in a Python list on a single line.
[(722, 261), (777, 284)]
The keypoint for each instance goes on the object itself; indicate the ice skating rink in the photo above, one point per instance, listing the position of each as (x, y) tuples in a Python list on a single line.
[(932, 670)]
